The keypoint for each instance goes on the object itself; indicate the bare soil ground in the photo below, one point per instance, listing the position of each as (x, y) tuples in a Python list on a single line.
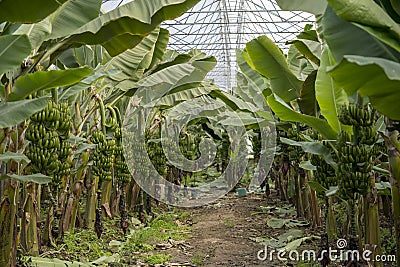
[(222, 234)]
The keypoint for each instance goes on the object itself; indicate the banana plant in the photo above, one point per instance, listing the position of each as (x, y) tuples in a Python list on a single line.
[(371, 61), (30, 48)]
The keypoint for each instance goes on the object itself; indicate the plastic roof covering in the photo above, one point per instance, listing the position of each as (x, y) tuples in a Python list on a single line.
[(219, 27)]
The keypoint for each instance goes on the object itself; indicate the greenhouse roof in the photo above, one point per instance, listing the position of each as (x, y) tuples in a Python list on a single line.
[(219, 27)]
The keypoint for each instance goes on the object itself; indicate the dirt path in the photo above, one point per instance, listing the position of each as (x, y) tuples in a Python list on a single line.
[(222, 232)]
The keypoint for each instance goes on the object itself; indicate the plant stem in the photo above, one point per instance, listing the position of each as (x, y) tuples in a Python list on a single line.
[(394, 161)]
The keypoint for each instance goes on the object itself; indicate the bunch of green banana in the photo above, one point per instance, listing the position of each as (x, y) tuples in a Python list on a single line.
[(103, 156), (354, 169), (325, 173), (224, 150), (356, 116), (140, 157), (47, 132), (355, 152), (256, 143), (156, 154), (121, 170), (294, 152), (368, 135), (314, 134)]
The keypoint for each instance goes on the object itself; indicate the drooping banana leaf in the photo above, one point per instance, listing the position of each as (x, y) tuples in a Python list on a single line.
[(307, 101), (298, 64), (13, 49), (37, 178), (250, 73), (268, 60), (184, 93), (370, 17), (31, 83), (13, 113), (312, 148), (310, 49), (315, 7), (22, 11), (133, 62), (36, 32), (350, 39), (160, 47), (377, 78), (125, 27), (286, 113), (73, 15), (329, 95)]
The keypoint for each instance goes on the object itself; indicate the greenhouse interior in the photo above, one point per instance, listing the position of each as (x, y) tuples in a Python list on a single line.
[(200, 133)]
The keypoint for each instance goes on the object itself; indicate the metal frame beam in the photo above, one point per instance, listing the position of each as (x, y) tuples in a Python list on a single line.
[(219, 27)]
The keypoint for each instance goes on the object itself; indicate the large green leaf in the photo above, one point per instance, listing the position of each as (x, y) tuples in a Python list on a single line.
[(184, 95), (307, 101), (22, 11), (392, 7), (125, 27), (69, 92), (171, 58), (249, 91), (37, 178), (31, 83), (329, 95), (267, 59), (250, 73), (160, 47), (298, 64), (250, 84), (286, 113), (161, 78), (315, 148), (371, 17), (350, 39), (377, 78), (234, 102), (13, 113), (315, 7), (36, 32), (73, 15), (162, 82), (13, 49), (17, 157), (309, 49), (133, 62)]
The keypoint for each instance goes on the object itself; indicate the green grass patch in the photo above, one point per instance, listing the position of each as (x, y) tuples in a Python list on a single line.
[(197, 259), (229, 223), (158, 258), (83, 244), (161, 229)]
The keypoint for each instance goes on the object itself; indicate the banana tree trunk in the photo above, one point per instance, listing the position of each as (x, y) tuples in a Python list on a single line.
[(29, 235), (106, 188), (76, 192), (394, 159), (8, 224), (331, 226), (393, 148), (372, 238), (91, 202)]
